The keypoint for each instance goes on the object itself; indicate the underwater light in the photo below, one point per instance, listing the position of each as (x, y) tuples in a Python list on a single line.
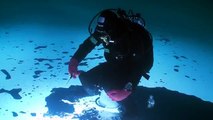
[(98, 106), (100, 103), (105, 102)]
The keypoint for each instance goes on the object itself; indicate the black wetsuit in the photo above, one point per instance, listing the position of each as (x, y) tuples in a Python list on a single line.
[(129, 56)]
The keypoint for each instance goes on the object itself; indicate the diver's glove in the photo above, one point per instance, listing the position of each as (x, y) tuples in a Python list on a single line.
[(73, 68), (118, 95)]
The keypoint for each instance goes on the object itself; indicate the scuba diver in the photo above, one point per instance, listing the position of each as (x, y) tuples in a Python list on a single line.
[(128, 51)]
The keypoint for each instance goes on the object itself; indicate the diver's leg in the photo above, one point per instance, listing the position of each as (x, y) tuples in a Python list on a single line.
[(90, 80)]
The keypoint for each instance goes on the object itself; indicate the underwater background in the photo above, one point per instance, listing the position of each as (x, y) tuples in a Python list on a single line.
[(38, 38)]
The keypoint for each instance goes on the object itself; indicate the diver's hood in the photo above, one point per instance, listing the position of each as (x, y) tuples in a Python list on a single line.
[(108, 23)]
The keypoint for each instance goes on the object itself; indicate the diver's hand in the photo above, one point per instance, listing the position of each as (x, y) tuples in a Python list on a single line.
[(73, 68), (118, 95)]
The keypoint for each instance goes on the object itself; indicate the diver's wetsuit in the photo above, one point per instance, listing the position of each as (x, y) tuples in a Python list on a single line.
[(129, 56)]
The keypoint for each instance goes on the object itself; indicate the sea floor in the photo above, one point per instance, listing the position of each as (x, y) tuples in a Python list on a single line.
[(34, 60)]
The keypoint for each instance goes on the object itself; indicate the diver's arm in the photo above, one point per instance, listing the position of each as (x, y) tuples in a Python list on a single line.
[(86, 47)]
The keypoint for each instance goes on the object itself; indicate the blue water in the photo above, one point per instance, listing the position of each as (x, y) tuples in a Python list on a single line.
[(38, 37)]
